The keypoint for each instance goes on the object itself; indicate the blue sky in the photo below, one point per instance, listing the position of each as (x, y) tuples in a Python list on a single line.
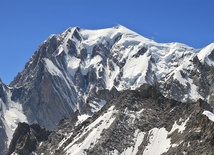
[(25, 24)]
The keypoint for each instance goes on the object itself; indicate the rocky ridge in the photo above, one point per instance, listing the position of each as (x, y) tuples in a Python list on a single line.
[(136, 122)]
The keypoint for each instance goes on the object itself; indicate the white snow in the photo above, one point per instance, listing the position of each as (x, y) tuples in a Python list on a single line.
[(181, 127), (72, 64), (52, 68), (93, 37), (209, 114), (96, 105), (64, 140), (138, 140), (158, 142), (96, 60), (82, 118), (135, 69), (90, 63), (178, 77), (92, 133), (114, 152), (193, 91), (204, 53)]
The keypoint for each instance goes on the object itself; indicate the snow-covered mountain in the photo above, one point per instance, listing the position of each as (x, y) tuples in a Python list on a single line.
[(78, 71)]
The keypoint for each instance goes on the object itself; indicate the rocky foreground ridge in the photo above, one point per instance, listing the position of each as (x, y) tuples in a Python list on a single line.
[(134, 122)]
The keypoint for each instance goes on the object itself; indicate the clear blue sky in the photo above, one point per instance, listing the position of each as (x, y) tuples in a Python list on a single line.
[(25, 24)]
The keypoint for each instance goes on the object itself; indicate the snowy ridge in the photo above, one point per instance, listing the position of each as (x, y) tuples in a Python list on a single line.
[(126, 47)]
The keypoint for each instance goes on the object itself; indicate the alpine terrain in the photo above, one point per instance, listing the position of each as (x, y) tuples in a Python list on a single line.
[(110, 91)]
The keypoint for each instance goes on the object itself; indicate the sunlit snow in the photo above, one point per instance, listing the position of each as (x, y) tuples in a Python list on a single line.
[(92, 133), (209, 114), (158, 142), (180, 127), (204, 53)]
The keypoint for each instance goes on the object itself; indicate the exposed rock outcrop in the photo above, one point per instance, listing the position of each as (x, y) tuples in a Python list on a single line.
[(26, 138)]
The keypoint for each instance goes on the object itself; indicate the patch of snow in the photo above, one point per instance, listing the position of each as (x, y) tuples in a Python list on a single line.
[(97, 105), (102, 103), (90, 63), (95, 60), (128, 151), (114, 152), (73, 64), (158, 142), (181, 127), (52, 68), (209, 114), (64, 140), (82, 118), (193, 91), (92, 133), (138, 140)]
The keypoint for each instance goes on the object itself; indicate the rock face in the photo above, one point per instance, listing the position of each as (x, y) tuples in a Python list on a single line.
[(136, 122)]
